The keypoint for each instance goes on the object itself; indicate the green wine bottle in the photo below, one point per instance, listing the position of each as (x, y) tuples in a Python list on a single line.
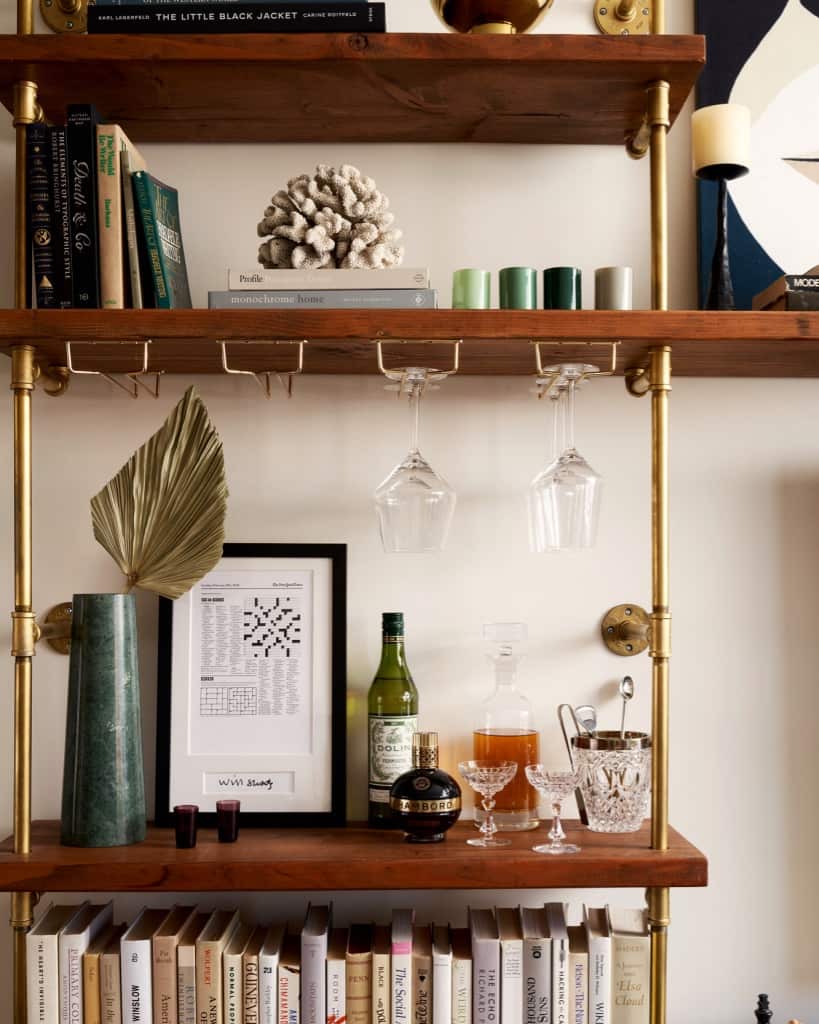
[(392, 704)]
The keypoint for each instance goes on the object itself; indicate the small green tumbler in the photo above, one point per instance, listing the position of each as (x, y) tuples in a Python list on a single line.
[(471, 289), (562, 288), (518, 288)]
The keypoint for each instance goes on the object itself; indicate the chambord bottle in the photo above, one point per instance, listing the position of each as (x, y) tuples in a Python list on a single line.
[(393, 720)]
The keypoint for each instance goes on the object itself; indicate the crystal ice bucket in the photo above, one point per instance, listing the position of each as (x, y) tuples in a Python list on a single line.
[(615, 779)]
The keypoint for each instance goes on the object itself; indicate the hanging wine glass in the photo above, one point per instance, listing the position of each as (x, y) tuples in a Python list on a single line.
[(414, 504), (564, 499)]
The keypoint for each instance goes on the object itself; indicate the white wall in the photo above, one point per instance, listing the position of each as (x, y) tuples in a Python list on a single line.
[(745, 493)]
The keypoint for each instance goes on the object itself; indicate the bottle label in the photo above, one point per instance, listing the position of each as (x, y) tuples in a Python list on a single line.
[(390, 752), (441, 806)]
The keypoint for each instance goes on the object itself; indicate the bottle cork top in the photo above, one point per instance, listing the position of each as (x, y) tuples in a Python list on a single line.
[(392, 623), (425, 749)]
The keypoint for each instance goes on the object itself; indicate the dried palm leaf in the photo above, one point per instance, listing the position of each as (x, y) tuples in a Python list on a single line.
[(162, 517)]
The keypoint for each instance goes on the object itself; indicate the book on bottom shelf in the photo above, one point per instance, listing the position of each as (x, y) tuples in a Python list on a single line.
[(441, 975), (314, 938), (74, 940), (537, 966), (359, 974), (401, 964), (421, 981), (486, 966), (91, 983), (269, 975), (233, 974), (210, 946), (461, 976), (164, 947), (578, 975), (137, 965), (43, 963), (559, 937), (511, 962), (186, 968), (111, 977), (250, 975), (336, 975), (598, 934), (630, 966), (382, 975), (290, 979)]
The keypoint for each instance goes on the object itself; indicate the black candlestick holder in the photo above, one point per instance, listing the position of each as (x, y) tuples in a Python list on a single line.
[(721, 287)]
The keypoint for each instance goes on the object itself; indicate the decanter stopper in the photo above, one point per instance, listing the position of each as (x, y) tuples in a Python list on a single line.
[(763, 1012)]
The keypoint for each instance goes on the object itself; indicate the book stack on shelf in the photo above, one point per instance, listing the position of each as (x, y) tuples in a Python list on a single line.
[(135, 16), (791, 292), (328, 288), (511, 965), (103, 232)]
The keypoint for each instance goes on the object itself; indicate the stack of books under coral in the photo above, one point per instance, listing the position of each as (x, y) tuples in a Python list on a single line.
[(194, 16), (396, 288), (791, 291)]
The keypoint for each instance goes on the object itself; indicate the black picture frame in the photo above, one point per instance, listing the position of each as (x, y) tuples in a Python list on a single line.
[(336, 554)]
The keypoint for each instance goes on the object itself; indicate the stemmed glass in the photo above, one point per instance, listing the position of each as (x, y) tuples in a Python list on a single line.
[(564, 499), (488, 778), (554, 786), (414, 504)]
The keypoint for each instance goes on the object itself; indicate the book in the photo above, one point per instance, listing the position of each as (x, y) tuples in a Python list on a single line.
[(486, 966), (421, 986), (314, 935), (111, 977), (81, 155), (785, 285), (233, 974), (112, 142), (290, 979), (237, 17), (158, 206), (336, 976), (75, 938), (595, 921), (382, 975), (537, 966), (210, 945), (461, 976), (164, 957), (630, 966), (797, 299), (511, 962), (401, 965), (60, 221), (327, 280), (441, 975), (136, 965), (559, 936), (578, 975), (250, 975), (43, 966), (339, 298), (40, 215), (140, 283), (269, 974), (359, 974), (186, 968), (91, 983)]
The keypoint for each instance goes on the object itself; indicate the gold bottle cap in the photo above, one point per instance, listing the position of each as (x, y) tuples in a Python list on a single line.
[(425, 749)]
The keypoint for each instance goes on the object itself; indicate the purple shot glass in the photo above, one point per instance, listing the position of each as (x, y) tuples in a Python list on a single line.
[(227, 820), (185, 820)]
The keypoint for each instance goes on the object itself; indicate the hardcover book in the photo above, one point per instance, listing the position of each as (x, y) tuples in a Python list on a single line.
[(241, 16), (186, 969), (422, 975), (91, 985), (164, 952), (337, 976), (462, 976), (111, 978), (578, 976), (598, 935), (340, 298), (559, 935), (401, 965), (327, 279), (210, 946), (158, 206), (359, 1002), (486, 967), (290, 980), (511, 951), (137, 966), (785, 285), (74, 940), (537, 966), (314, 937), (269, 975), (60, 220), (43, 965), (382, 975), (81, 144), (112, 143), (441, 975), (40, 200), (250, 974), (233, 972), (630, 966)]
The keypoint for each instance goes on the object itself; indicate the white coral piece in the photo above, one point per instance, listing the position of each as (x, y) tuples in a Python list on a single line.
[(336, 218)]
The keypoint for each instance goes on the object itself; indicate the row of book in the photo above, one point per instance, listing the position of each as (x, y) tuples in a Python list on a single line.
[(103, 232), (791, 292), (511, 965), (224, 16)]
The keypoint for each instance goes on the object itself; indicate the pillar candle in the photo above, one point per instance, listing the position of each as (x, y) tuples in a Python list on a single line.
[(720, 138)]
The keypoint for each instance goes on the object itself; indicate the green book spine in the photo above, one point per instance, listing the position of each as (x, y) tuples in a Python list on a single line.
[(159, 213)]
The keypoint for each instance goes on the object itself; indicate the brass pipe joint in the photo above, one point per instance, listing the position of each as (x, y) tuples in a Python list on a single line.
[(21, 916), (24, 631), (660, 635), (658, 115), (26, 108), (658, 900)]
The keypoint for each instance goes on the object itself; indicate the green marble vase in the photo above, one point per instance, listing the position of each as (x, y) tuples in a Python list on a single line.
[(103, 781)]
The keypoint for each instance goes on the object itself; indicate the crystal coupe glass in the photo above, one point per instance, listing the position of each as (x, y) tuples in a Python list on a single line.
[(554, 786), (488, 778)]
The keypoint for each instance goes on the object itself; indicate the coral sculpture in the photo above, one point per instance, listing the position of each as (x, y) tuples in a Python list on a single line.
[(336, 218)]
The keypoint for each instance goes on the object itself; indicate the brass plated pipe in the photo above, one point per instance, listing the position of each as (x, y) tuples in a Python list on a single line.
[(659, 122), (26, 111), (658, 18), (659, 918), (25, 17)]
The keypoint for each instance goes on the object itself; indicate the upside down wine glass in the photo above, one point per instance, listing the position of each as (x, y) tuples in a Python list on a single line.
[(488, 778), (414, 504), (554, 786)]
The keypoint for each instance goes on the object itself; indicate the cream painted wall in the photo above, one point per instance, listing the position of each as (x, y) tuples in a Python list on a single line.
[(745, 492)]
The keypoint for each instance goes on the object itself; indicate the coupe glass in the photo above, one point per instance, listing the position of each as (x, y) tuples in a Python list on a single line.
[(488, 778), (554, 786), (564, 499), (414, 504)]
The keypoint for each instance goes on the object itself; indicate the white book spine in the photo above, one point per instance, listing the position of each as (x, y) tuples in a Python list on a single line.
[(511, 980), (336, 991), (578, 989), (401, 985), (313, 979), (631, 979), (599, 980), (382, 989), (462, 992), (268, 987), (261, 279), (560, 981), (135, 966), (441, 988), (288, 996), (42, 979), (485, 996), (186, 984), (233, 992), (537, 981)]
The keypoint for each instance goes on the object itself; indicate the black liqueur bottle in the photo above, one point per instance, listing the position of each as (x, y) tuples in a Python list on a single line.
[(425, 801)]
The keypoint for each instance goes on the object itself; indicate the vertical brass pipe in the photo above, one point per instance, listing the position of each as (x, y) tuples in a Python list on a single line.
[(658, 18), (659, 123), (659, 915)]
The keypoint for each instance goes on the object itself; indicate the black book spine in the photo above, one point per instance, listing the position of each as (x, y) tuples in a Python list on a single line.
[(237, 17), (61, 223), (81, 139), (39, 194)]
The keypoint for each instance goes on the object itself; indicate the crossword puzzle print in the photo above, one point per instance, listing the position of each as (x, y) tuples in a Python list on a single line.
[(227, 700), (272, 629)]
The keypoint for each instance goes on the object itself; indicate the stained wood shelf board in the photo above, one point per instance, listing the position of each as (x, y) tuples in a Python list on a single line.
[(350, 858), (396, 87), (496, 342)]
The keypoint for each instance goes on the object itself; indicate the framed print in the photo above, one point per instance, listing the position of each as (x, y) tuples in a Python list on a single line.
[(252, 688)]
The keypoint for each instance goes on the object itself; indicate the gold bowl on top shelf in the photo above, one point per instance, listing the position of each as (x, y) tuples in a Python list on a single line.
[(501, 17)]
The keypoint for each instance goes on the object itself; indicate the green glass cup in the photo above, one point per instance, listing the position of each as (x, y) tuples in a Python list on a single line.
[(471, 289), (562, 288), (518, 288)]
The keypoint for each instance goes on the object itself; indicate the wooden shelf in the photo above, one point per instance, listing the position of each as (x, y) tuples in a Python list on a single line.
[(352, 88), (496, 342), (348, 858)]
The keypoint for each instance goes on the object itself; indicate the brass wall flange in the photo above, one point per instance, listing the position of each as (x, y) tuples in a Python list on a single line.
[(626, 629), (623, 17), (56, 379), (56, 628), (65, 15)]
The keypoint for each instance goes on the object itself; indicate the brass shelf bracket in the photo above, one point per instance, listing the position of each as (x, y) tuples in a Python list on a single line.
[(638, 381), (403, 379), (56, 379), (262, 377), (550, 377), (134, 377), (623, 17), (626, 630), (55, 628), (65, 15), (657, 115)]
